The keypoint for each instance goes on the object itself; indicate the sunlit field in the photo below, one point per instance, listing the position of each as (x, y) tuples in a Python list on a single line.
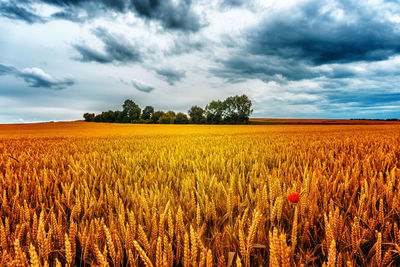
[(198, 195)]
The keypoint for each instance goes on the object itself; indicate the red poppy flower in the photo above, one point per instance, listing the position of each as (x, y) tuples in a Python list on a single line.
[(294, 197)]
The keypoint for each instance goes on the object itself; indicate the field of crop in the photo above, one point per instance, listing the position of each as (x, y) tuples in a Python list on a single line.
[(190, 195), (320, 121)]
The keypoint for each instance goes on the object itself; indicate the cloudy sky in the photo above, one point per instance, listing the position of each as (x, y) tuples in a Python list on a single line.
[(293, 58)]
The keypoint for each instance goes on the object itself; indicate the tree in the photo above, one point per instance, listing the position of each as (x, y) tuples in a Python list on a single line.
[(98, 118), (88, 116), (181, 118), (233, 110), (147, 112), (166, 118), (156, 116), (172, 113), (214, 112), (108, 116), (196, 114), (237, 109), (119, 116), (131, 111)]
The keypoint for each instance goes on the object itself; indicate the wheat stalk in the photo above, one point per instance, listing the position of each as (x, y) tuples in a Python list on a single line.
[(142, 254)]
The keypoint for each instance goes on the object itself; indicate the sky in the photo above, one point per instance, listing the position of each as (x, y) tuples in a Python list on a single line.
[(293, 59)]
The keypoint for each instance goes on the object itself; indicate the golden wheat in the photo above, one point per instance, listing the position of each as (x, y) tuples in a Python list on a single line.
[(166, 195)]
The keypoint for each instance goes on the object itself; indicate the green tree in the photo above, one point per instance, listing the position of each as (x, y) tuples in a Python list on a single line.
[(156, 116), (119, 116), (88, 116), (166, 118), (108, 116), (196, 114), (147, 112), (237, 109), (98, 118), (181, 118), (172, 113), (131, 111), (214, 112)]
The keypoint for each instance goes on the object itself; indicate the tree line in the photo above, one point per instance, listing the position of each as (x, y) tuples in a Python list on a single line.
[(233, 110)]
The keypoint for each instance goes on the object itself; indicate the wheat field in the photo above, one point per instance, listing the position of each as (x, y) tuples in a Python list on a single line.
[(87, 194)]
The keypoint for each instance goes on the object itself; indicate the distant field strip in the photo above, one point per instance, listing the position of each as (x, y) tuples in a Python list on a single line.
[(320, 121)]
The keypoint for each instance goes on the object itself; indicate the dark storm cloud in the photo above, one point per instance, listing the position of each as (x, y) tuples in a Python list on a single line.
[(292, 43), (89, 54), (36, 77), (170, 75), (142, 87), (4, 70), (115, 5), (240, 67), (362, 98), (185, 44), (69, 15), (172, 15), (335, 83), (14, 11), (233, 3), (315, 36), (341, 72), (116, 49)]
